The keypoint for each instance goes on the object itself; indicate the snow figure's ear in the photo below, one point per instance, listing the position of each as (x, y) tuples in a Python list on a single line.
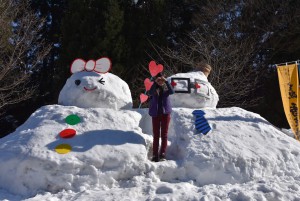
[(77, 65), (103, 65)]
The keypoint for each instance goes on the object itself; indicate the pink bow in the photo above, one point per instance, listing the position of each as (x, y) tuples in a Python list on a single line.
[(102, 65)]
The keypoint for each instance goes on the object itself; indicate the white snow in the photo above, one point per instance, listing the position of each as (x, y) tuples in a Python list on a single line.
[(242, 158), (289, 132), (90, 93), (203, 97)]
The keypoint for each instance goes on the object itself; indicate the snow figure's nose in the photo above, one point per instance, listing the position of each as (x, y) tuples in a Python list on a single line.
[(90, 82)]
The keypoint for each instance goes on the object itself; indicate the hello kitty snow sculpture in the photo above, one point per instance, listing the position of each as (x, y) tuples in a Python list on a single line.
[(91, 86), (192, 90)]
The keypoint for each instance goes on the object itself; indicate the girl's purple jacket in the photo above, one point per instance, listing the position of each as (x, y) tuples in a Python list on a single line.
[(153, 106)]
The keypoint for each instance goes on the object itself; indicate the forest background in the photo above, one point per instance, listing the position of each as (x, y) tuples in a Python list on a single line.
[(241, 40)]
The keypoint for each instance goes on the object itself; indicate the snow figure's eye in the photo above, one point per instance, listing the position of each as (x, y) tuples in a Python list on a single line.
[(101, 81), (77, 82)]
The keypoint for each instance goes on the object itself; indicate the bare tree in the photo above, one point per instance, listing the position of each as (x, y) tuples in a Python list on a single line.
[(21, 50), (229, 36)]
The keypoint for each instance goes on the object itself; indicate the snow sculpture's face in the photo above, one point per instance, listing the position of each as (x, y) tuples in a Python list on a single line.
[(192, 90), (91, 89)]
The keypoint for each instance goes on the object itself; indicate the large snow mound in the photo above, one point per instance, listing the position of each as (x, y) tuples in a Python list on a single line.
[(242, 146), (108, 146), (90, 90), (244, 157)]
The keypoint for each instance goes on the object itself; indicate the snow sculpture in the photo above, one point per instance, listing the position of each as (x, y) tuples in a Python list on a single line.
[(91, 86), (192, 90)]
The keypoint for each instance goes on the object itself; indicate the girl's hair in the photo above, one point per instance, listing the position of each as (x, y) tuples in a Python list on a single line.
[(159, 75)]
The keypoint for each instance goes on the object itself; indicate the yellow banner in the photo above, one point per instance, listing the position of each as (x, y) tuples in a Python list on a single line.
[(289, 88)]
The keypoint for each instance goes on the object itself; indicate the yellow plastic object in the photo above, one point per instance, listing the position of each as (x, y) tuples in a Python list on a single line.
[(289, 88), (63, 148)]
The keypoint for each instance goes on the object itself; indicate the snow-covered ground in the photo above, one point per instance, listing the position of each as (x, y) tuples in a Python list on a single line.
[(244, 157)]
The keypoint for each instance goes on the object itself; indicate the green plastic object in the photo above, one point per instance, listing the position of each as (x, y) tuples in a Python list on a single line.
[(72, 119)]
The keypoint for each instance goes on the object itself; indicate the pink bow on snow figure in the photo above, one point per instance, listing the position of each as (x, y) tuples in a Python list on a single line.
[(102, 65)]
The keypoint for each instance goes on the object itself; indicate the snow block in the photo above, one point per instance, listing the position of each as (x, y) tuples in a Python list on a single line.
[(108, 146), (93, 90), (203, 95)]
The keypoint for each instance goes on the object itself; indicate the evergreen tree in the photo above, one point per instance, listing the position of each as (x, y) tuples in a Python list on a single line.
[(117, 29), (52, 11), (281, 44), (114, 42), (83, 31), (145, 23)]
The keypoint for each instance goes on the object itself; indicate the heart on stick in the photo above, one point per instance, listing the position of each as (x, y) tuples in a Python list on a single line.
[(155, 69), (143, 98), (148, 84)]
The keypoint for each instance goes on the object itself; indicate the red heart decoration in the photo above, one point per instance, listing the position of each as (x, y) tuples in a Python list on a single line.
[(148, 84), (155, 69), (173, 84), (197, 86), (143, 98)]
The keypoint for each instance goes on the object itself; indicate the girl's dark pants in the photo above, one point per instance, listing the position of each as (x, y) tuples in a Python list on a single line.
[(160, 125)]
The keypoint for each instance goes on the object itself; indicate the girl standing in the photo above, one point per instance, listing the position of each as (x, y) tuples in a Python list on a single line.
[(160, 110)]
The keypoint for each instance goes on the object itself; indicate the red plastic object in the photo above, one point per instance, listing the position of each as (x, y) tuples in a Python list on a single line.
[(67, 133)]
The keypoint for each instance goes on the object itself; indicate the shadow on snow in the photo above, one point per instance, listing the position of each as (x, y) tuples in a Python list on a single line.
[(85, 141)]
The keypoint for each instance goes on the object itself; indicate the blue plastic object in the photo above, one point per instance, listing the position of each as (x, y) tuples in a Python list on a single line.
[(201, 123), (198, 113)]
